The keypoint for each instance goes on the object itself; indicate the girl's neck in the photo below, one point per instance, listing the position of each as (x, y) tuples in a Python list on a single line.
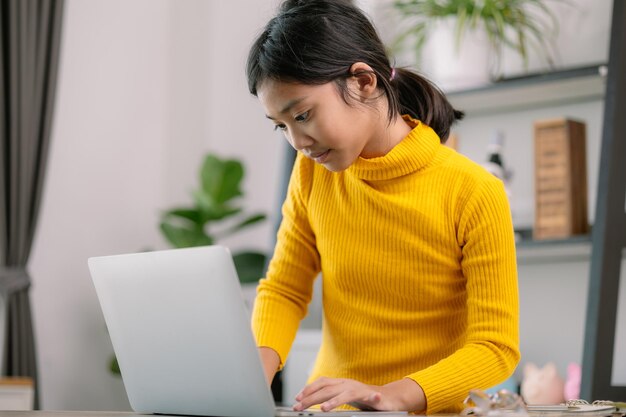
[(386, 137)]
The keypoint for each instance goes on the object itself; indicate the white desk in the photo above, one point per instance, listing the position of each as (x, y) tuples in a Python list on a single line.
[(68, 414)]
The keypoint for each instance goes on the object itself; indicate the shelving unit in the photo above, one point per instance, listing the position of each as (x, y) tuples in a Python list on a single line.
[(577, 248), (539, 90), (606, 247), (542, 90)]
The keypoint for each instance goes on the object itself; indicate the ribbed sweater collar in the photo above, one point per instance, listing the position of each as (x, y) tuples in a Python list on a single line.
[(413, 153)]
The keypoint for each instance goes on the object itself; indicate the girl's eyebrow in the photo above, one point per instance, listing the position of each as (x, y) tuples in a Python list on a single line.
[(288, 107)]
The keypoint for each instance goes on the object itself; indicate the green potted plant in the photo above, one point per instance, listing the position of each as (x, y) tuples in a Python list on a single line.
[(216, 214), (520, 25)]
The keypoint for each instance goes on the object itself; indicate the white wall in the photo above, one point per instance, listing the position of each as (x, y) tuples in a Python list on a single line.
[(103, 186), (146, 87)]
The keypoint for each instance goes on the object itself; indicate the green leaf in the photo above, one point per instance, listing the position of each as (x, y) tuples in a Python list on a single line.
[(250, 266), (233, 174), (460, 28), (249, 221), (190, 214), (114, 367), (215, 212), (220, 179), (210, 210), (185, 237)]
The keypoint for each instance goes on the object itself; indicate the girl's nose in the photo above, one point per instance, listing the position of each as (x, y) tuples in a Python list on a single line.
[(300, 140)]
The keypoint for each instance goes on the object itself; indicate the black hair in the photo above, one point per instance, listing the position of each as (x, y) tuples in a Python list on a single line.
[(317, 41)]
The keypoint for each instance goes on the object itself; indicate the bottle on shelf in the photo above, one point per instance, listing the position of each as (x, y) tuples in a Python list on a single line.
[(495, 164), (495, 161)]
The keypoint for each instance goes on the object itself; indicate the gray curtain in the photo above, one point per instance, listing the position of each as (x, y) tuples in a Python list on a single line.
[(29, 49)]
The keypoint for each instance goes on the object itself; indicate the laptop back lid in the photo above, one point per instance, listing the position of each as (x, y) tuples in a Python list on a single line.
[(181, 333)]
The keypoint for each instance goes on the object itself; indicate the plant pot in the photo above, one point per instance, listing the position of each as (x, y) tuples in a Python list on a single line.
[(456, 66)]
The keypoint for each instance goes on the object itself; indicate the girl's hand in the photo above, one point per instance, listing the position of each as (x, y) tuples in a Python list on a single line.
[(330, 393)]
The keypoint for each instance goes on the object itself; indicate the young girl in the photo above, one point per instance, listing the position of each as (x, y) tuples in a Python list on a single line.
[(414, 242)]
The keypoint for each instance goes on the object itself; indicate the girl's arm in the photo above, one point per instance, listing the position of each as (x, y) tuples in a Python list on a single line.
[(271, 362), (284, 294), (491, 350)]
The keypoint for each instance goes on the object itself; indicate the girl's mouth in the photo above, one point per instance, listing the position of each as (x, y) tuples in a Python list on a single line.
[(320, 158)]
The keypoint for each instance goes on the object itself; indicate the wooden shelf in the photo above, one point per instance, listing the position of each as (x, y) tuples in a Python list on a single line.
[(576, 85), (533, 91), (577, 248)]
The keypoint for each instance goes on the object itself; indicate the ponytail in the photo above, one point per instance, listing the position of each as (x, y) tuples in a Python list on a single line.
[(317, 41), (423, 100)]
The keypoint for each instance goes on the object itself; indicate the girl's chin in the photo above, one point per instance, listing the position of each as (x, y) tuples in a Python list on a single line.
[(335, 166)]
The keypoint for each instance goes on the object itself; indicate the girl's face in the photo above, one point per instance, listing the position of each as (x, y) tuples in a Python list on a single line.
[(319, 123)]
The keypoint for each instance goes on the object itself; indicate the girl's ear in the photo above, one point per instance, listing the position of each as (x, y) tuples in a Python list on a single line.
[(363, 80)]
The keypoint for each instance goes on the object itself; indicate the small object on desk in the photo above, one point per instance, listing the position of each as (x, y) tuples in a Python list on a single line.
[(501, 404), (540, 408), (543, 385), (572, 382), (574, 407)]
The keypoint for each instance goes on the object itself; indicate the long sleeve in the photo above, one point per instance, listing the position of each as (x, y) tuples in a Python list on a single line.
[(488, 264), (283, 296)]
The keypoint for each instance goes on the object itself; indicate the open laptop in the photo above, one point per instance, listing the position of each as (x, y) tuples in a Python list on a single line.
[(182, 336)]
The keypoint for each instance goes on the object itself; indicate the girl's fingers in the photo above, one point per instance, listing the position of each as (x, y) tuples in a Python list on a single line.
[(316, 385), (317, 395), (367, 399), (331, 393)]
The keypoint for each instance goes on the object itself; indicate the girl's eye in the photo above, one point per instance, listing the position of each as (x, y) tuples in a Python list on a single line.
[(302, 117), (280, 127)]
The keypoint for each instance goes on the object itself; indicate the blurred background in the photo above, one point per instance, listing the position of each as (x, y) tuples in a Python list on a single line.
[(146, 88)]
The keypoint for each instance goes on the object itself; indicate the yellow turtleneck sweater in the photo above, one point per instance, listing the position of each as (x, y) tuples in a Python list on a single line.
[(417, 255)]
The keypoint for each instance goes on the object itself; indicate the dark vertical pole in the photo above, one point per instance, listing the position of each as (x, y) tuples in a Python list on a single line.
[(609, 230)]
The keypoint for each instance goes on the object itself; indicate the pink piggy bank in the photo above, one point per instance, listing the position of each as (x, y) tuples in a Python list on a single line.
[(542, 386)]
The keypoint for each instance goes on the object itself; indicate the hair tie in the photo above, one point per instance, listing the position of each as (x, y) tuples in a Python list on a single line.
[(393, 74)]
